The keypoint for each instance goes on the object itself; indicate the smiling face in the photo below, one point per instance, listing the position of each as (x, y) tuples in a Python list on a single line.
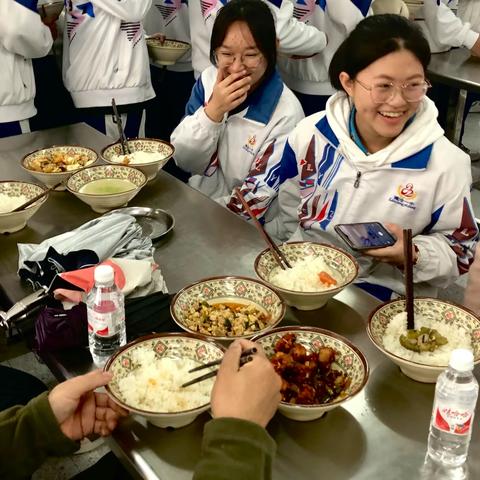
[(379, 124)]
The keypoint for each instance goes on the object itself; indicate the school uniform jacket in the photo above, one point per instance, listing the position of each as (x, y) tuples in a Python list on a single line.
[(23, 36), (244, 150), (420, 181), (105, 53)]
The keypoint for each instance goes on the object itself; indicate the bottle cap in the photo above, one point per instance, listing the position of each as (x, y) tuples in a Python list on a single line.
[(461, 359), (104, 275)]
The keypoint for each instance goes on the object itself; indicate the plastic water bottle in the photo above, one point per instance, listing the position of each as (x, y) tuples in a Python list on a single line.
[(106, 316), (453, 411)]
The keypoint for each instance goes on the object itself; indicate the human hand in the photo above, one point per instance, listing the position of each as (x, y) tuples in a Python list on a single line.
[(50, 22), (160, 37), (229, 91), (394, 254), (250, 393), (80, 411)]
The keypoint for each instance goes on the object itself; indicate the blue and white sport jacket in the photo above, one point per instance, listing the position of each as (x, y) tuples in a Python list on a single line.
[(420, 181), (244, 150)]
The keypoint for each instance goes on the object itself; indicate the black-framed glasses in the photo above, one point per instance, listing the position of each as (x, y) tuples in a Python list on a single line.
[(249, 60), (383, 92)]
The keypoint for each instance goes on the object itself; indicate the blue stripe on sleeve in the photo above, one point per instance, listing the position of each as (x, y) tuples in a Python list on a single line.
[(30, 4), (289, 164), (363, 5), (197, 98)]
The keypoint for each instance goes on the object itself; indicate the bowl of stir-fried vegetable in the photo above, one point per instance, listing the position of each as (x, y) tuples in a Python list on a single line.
[(227, 307), (320, 369)]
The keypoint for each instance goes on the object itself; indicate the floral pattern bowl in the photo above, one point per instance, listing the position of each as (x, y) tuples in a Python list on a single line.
[(340, 262), (429, 308), (164, 345), (228, 289), (150, 145), (13, 221), (41, 163), (103, 202), (349, 359), (168, 52)]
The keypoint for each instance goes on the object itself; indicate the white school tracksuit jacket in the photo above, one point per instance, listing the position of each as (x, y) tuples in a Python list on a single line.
[(420, 181), (444, 29), (22, 37), (295, 38), (105, 54), (336, 18), (244, 150)]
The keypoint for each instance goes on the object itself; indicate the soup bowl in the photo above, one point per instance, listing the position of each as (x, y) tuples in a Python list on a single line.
[(168, 52)]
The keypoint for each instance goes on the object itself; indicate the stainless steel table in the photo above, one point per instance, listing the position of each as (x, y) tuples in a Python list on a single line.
[(457, 69), (380, 434)]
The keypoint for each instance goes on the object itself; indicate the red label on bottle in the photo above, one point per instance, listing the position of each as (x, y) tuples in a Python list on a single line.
[(452, 420)]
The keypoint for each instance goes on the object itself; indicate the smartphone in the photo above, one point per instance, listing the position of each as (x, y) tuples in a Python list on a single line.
[(363, 236)]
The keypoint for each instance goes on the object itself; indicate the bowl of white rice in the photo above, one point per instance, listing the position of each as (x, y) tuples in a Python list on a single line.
[(148, 374), (458, 325), (13, 194), (147, 154), (318, 272)]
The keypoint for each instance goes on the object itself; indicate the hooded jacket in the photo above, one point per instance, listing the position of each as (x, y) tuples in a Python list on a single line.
[(244, 150), (420, 181), (105, 54), (23, 36)]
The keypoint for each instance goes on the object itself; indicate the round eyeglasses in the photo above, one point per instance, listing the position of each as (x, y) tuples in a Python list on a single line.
[(383, 92), (249, 60)]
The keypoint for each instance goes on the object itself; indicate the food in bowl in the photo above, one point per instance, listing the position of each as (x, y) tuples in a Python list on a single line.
[(8, 203), (59, 161), (228, 319), (139, 157), (308, 378), (166, 52), (156, 383), (107, 186)]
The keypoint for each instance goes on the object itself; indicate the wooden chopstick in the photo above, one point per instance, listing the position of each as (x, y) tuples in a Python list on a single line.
[(245, 353), (243, 361), (35, 198), (276, 252), (408, 272)]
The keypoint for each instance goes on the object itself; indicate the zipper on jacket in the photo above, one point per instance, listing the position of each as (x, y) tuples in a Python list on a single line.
[(357, 180)]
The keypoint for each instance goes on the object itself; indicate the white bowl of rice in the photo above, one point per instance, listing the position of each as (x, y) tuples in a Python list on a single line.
[(148, 374), (13, 194), (318, 272), (458, 325)]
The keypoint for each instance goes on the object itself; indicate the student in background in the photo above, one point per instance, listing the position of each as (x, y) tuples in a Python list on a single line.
[(104, 57), (23, 36)]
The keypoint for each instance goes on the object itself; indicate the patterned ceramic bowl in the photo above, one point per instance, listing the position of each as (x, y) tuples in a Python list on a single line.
[(238, 290), (430, 308), (14, 221), (343, 265), (164, 151), (349, 360), (165, 345), (168, 52), (55, 164), (109, 180)]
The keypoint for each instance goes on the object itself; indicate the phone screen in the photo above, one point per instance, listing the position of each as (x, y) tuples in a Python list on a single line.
[(365, 235)]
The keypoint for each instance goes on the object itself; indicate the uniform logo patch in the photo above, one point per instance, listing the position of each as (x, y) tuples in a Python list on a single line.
[(250, 144), (405, 196)]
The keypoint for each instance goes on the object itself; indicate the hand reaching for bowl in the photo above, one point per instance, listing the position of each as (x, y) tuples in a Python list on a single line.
[(229, 91), (250, 393), (80, 411), (394, 254)]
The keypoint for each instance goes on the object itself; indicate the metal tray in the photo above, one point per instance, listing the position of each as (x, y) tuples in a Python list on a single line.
[(155, 222)]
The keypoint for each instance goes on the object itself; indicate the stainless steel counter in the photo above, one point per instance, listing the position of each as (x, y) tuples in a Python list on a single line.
[(380, 434)]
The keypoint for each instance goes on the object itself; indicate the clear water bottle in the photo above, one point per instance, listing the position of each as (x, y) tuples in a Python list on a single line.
[(453, 411), (106, 316)]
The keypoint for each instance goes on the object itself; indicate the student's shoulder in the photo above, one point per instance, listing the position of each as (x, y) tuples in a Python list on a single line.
[(446, 155)]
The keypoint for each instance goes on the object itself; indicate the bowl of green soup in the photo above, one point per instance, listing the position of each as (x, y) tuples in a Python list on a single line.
[(104, 187)]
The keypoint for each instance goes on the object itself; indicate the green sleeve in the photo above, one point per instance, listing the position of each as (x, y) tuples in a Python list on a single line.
[(28, 434), (235, 449)]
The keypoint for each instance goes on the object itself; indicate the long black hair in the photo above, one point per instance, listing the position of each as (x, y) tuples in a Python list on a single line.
[(373, 38)]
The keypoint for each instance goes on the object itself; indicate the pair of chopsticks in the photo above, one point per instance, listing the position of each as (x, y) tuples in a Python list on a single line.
[(118, 120), (245, 357), (276, 252), (36, 198), (408, 272)]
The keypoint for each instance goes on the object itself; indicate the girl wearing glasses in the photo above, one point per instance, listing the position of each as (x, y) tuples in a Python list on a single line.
[(239, 114), (378, 154)]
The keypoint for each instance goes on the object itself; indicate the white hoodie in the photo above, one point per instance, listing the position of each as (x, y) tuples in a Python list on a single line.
[(105, 54), (337, 18), (420, 181), (22, 36), (444, 29), (295, 38)]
